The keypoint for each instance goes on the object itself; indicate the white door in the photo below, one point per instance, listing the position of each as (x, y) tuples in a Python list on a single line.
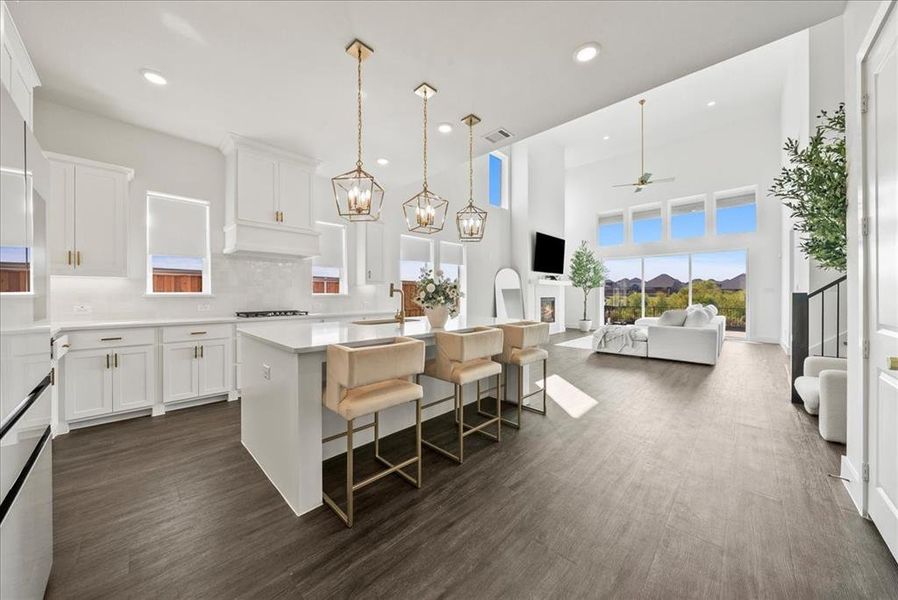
[(215, 367), (256, 187), (374, 253), (133, 377), (61, 218), (99, 222), (881, 132), (180, 371), (88, 383), (294, 195)]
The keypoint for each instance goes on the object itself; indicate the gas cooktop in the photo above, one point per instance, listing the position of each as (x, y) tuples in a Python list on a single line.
[(255, 314)]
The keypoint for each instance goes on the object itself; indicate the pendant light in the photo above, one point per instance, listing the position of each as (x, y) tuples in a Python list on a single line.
[(425, 212), (471, 221), (358, 196)]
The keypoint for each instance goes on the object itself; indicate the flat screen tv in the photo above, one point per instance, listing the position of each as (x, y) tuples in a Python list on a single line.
[(548, 254)]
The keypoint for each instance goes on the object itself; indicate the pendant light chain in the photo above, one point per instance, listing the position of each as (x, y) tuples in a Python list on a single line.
[(359, 99), (470, 163), (425, 140)]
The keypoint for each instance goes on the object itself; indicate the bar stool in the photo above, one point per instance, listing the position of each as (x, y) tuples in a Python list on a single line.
[(462, 358), (521, 348), (365, 380)]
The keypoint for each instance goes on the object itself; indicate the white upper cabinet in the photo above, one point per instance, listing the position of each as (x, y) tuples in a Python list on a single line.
[(16, 71), (370, 253), (87, 217), (268, 207)]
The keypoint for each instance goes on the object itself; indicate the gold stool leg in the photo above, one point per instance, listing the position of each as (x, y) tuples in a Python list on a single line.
[(460, 394), (418, 438), (520, 393), (545, 386), (499, 407), (349, 484)]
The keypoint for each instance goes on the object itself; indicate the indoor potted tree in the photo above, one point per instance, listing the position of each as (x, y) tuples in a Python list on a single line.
[(587, 273)]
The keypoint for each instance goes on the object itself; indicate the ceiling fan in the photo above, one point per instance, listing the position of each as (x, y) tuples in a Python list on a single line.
[(646, 177)]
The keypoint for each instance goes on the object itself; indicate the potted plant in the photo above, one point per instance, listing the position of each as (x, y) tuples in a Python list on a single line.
[(438, 296), (587, 273)]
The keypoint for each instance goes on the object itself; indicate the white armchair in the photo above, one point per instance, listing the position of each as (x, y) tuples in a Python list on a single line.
[(824, 390)]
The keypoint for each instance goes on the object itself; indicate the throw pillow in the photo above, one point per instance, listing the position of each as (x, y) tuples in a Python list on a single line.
[(691, 306), (697, 318), (673, 318), (712, 309)]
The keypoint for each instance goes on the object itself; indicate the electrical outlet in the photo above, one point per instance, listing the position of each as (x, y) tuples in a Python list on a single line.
[(82, 308), (203, 307), (266, 372)]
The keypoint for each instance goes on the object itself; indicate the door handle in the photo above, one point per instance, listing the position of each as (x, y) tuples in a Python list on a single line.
[(115, 360), (77, 258), (282, 216), (195, 351), (68, 257), (202, 351), (107, 361)]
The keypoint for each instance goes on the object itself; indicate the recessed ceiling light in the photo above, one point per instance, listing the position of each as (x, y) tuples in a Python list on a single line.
[(607, 137), (712, 103), (154, 77), (383, 161), (444, 128), (587, 52)]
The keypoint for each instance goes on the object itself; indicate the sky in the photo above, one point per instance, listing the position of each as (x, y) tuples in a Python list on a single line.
[(731, 219)]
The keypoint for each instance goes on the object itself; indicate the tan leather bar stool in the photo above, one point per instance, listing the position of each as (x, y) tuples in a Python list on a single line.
[(465, 357), (365, 380), (521, 348)]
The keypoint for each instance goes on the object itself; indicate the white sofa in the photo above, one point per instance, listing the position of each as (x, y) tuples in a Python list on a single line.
[(824, 390), (647, 338)]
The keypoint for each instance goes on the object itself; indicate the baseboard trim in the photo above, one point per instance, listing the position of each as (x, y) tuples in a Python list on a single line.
[(848, 471)]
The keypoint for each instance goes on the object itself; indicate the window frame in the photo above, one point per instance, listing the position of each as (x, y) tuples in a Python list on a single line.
[(462, 272), (344, 280), (686, 201), (207, 259), (644, 208), (504, 179), (623, 222), (735, 193)]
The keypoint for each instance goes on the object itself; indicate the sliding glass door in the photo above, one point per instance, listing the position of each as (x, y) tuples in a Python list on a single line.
[(649, 285)]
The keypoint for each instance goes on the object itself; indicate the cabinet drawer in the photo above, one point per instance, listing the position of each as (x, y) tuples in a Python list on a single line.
[(110, 338), (191, 333)]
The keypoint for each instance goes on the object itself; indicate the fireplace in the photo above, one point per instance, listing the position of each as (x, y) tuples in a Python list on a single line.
[(547, 309)]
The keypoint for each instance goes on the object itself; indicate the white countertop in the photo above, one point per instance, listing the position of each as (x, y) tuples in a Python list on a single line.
[(302, 337), (64, 327)]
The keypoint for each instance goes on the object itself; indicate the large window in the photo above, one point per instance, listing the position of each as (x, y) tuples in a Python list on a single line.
[(178, 255), (452, 262), (329, 267), (647, 225), (647, 286), (498, 179), (415, 254), (687, 218), (611, 230), (736, 212)]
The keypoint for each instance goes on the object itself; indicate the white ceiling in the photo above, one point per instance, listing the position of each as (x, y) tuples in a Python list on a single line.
[(276, 71), (745, 87)]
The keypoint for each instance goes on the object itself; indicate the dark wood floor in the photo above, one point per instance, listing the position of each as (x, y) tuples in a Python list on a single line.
[(684, 481)]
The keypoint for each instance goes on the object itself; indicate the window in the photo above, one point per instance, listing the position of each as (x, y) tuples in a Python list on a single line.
[(736, 212), (329, 267), (452, 262), (15, 247), (649, 285), (178, 256), (646, 223), (498, 179), (687, 219), (611, 230), (415, 254)]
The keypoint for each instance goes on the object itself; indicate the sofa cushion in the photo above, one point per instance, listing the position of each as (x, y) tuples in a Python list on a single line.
[(712, 309), (697, 317), (808, 389), (673, 318)]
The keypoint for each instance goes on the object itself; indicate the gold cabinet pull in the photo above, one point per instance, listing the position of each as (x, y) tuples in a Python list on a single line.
[(197, 333), (111, 339), (115, 360), (77, 258), (68, 257), (201, 351), (282, 216), (195, 351), (893, 363), (107, 361)]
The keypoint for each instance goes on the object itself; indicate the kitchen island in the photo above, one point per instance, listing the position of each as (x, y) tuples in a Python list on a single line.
[(282, 376)]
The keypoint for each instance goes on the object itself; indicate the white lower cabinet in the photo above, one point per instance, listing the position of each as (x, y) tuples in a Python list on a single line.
[(196, 369), (108, 380)]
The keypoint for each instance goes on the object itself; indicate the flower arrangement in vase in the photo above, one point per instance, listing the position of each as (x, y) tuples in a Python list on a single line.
[(438, 296)]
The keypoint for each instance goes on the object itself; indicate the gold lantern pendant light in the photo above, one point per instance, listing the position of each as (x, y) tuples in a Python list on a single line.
[(471, 221), (425, 212), (358, 195)]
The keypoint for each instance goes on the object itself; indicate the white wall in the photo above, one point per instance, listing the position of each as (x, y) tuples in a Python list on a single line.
[(744, 153), (858, 20), (168, 164)]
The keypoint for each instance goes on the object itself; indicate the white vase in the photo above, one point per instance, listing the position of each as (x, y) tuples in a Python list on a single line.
[(437, 316), (585, 325)]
